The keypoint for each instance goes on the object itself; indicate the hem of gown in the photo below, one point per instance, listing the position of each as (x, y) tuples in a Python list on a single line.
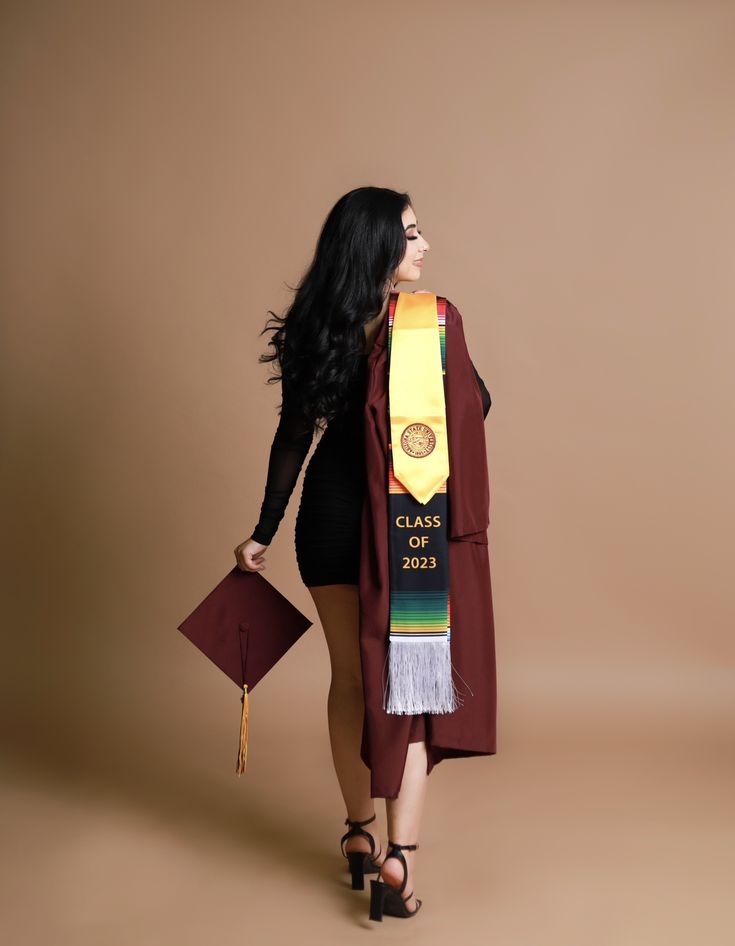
[(434, 755)]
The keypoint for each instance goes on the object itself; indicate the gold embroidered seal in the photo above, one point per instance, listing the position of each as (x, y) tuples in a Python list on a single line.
[(418, 440)]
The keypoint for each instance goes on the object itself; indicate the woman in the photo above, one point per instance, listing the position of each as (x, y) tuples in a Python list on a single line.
[(369, 243)]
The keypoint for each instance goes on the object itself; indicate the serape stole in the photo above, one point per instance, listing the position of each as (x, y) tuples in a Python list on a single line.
[(419, 654)]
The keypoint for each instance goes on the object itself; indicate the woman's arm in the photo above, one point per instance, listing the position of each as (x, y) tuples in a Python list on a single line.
[(291, 443)]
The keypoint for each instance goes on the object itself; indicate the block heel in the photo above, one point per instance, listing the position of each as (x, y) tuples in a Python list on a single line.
[(384, 897), (360, 862), (378, 892)]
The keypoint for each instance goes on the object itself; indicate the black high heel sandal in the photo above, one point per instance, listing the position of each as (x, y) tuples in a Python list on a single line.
[(384, 898), (360, 862)]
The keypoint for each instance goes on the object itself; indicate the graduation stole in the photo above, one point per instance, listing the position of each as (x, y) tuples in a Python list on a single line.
[(419, 658)]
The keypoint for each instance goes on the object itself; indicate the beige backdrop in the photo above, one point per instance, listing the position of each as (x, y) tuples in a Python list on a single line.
[(166, 168)]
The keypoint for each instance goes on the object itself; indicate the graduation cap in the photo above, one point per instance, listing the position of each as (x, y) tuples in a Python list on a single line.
[(244, 625)]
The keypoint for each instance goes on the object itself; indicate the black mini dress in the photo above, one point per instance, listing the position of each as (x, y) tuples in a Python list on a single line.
[(327, 534)]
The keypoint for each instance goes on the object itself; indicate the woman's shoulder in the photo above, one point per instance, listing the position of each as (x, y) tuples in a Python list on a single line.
[(432, 292), (452, 317), (451, 312)]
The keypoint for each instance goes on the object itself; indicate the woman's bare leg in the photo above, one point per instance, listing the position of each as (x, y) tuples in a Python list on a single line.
[(338, 608), (404, 818)]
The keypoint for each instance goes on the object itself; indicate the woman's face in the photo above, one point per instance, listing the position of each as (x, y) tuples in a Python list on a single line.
[(409, 269)]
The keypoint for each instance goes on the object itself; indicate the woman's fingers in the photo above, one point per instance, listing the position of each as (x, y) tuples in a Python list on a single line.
[(247, 564), (249, 556), (254, 561)]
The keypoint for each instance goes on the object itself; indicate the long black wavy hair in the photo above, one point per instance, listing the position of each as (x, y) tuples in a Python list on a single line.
[(319, 340)]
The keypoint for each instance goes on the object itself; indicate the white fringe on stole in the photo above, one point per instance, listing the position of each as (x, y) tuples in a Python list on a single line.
[(420, 677)]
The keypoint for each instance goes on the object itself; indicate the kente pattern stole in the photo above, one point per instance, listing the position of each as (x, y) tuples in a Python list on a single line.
[(419, 657)]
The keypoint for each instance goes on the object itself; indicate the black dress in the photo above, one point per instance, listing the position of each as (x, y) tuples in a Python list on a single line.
[(327, 535)]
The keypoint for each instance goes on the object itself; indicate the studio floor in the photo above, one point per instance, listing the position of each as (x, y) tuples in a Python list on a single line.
[(609, 827)]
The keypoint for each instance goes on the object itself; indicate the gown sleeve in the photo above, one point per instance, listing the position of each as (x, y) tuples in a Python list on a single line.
[(486, 399), (291, 443)]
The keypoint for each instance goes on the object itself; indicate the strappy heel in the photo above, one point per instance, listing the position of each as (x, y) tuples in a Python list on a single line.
[(384, 898), (360, 862)]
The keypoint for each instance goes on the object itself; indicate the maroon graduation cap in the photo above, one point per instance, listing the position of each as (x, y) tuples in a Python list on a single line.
[(245, 625)]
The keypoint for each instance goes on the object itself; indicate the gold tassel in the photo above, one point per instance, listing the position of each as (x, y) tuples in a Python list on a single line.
[(242, 755)]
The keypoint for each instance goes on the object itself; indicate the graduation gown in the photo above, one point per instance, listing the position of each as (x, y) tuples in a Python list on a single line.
[(469, 730)]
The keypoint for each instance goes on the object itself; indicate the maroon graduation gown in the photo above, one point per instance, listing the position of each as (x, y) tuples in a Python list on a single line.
[(470, 730)]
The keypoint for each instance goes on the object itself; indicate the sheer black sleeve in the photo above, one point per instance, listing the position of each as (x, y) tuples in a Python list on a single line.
[(291, 443), (486, 399)]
